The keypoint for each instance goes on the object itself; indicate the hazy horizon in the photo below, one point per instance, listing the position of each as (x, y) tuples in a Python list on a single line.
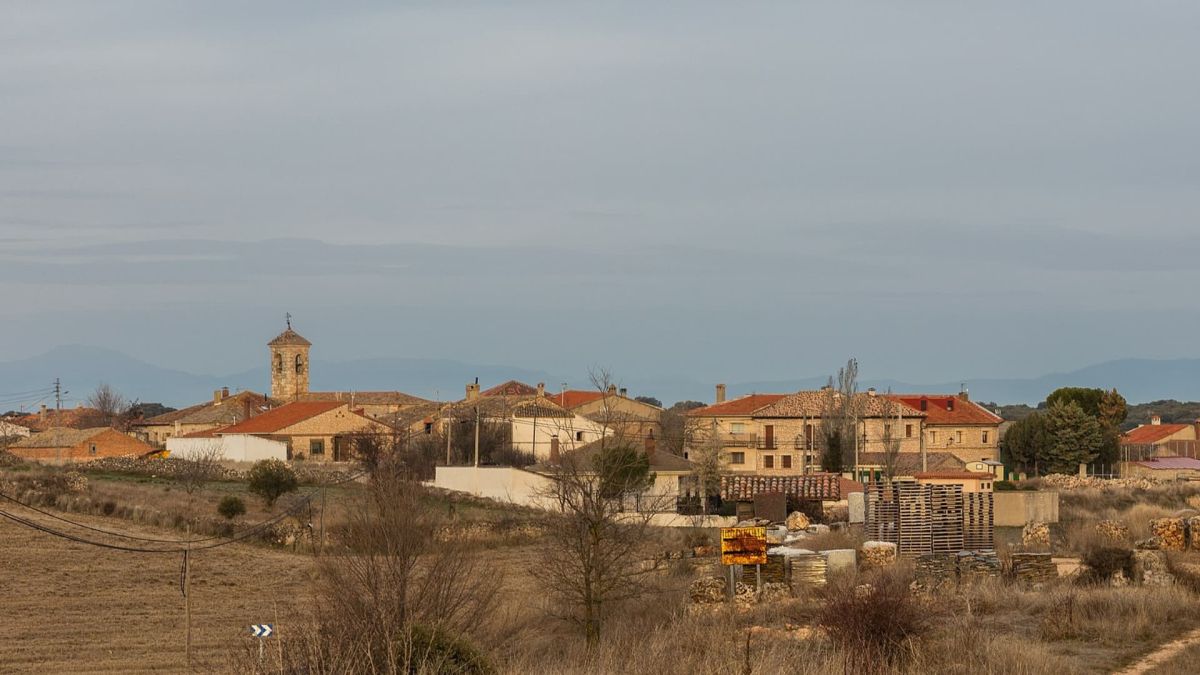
[(723, 193)]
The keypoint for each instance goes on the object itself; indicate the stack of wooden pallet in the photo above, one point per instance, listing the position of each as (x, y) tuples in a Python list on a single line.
[(946, 518)]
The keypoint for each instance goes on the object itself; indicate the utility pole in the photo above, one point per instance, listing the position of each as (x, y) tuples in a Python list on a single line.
[(449, 431), (58, 419), (187, 595), (477, 437)]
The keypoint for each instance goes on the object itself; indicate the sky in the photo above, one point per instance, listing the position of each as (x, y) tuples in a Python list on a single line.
[(727, 191)]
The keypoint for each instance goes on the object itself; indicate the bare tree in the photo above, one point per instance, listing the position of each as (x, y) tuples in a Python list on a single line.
[(893, 418), (111, 408), (396, 597), (592, 551), (199, 468), (840, 413), (709, 465)]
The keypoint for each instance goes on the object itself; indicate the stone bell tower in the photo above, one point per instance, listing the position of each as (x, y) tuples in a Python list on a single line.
[(289, 364)]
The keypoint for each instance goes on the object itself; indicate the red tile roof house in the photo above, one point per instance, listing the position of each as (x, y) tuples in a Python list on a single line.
[(1156, 439), (65, 445), (320, 431), (956, 424)]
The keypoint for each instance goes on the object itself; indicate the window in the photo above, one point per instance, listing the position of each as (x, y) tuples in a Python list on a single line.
[(908, 431), (429, 428), (279, 363), (985, 437), (299, 364), (737, 458), (93, 449), (737, 427), (958, 435), (932, 437), (887, 430), (579, 435), (808, 437), (786, 461), (768, 461), (316, 446)]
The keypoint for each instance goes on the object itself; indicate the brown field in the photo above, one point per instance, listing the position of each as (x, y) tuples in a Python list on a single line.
[(77, 608)]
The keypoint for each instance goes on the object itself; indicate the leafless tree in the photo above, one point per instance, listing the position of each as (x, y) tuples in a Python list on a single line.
[(840, 413), (593, 552), (709, 465), (891, 440), (111, 408), (395, 597), (199, 468)]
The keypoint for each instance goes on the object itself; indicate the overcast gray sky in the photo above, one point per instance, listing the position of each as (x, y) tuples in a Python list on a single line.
[(713, 189)]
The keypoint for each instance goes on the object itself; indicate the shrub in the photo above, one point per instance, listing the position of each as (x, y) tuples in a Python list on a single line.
[(876, 625), (1105, 561), (231, 507), (271, 479), (1004, 486)]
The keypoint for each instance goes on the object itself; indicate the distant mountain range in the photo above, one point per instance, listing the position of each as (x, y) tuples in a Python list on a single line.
[(81, 368)]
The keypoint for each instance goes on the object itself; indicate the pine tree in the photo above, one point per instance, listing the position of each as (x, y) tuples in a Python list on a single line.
[(1075, 438)]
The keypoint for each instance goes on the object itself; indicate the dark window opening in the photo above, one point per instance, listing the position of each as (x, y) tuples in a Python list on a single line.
[(316, 446)]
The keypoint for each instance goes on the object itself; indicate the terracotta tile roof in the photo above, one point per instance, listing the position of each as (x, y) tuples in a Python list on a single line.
[(746, 405), (230, 410), (573, 398), (59, 438), (813, 404), (78, 417), (289, 337), (1151, 433), (511, 388), (498, 406), (955, 475), (282, 417), (364, 397), (947, 409), (910, 462)]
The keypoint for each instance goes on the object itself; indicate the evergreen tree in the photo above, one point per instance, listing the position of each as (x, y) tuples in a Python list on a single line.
[(1025, 443), (1075, 438)]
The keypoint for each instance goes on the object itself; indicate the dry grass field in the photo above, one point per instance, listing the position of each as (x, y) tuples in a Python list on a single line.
[(76, 608)]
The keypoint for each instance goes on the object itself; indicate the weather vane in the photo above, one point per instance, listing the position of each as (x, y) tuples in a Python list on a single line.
[(288, 317)]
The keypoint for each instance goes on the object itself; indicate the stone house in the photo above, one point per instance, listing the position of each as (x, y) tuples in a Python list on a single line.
[(318, 431), (66, 445), (772, 434), (629, 418), (956, 424), (223, 410)]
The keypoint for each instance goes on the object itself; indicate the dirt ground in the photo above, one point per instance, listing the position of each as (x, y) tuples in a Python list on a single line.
[(73, 607)]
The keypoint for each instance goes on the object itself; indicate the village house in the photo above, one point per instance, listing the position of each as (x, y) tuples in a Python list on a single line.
[(1153, 440), (781, 433), (970, 480), (956, 424), (65, 445), (629, 418), (11, 432), (78, 417), (223, 410), (319, 431), (534, 423)]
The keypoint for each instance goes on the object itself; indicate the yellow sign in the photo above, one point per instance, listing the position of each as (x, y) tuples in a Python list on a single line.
[(743, 546)]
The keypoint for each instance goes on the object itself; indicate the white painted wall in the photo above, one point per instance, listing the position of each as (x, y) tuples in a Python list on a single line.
[(234, 448), (502, 483), (533, 435), (13, 430)]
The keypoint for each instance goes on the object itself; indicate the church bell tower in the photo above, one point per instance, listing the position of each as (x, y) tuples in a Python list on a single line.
[(289, 364)]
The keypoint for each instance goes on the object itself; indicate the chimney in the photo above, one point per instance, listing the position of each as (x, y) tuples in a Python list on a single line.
[(1155, 420), (541, 389), (472, 391), (42, 412), (554, 454), (612, 390), (964, 395), (247, 409), (624, 392), (720, 393), (651, 444), (217, 397), (871, 391), (224, 392), (950, 404)]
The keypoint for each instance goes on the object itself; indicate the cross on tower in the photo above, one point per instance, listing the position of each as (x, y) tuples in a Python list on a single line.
[(288, 318)]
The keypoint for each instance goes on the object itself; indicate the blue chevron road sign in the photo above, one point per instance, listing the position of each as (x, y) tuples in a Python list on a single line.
[(262, 630)]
